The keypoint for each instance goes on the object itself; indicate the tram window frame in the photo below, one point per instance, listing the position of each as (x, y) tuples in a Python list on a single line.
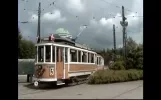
[(73, 56), (53, 53), (40, 53), (47, 53), (88, 57)]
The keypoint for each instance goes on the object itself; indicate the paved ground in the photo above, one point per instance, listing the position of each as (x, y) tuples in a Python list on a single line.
[(126, 90)]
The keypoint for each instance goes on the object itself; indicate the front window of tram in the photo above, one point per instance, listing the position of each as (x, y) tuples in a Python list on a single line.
[(40, 53), (47, 53)]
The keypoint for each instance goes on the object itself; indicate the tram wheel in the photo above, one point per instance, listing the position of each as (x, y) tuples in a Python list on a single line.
[(36, 84)]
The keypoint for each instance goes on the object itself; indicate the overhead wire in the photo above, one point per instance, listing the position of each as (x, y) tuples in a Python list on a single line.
[(117, 6), (77, 17), (109, 15)]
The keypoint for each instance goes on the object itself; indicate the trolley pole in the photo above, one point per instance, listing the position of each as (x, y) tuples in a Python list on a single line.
[(124, 24), (29, 76)]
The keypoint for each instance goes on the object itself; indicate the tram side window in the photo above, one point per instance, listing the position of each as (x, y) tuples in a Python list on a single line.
[(57, 54), (79, 56), (40, 53), (89, 57), (53, 54), (66, 55), (84, 57), (48, 53), (61, 54), (92, 58), (73, 54), (97, 60)]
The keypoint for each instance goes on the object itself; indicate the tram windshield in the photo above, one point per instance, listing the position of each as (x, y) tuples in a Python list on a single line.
[(44, 53), (40, 53)]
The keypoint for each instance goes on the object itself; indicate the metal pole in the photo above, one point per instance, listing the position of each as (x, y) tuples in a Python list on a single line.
[(114, 41), (38, 26), (124, 24)]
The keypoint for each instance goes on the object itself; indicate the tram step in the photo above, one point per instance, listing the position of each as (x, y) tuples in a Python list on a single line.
[(60, 82)]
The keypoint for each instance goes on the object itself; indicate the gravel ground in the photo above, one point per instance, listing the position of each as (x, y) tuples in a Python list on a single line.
[(125, 90)]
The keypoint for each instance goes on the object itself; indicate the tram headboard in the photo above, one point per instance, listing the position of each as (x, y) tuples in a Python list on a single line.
[(25, 66)]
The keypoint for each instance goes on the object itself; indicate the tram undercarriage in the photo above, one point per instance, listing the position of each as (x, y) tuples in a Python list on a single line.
[(71, 81)]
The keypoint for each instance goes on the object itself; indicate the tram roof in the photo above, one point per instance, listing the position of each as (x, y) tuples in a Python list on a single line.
[(66, 41)]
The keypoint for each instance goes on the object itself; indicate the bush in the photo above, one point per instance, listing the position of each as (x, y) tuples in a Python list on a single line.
[(112, 76), (118, 65)]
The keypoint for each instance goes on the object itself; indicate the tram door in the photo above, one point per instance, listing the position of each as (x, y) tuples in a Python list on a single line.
[(60, 62)]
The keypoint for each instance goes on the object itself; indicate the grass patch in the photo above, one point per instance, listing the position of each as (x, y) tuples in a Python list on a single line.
[(112, 76)]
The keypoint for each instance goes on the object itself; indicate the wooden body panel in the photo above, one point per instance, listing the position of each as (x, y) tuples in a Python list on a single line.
[(82, 67), (66, 71), (100, 68), (45, 71), (60, 70)]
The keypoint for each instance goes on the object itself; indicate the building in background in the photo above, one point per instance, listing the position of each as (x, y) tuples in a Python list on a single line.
[(63, 33)]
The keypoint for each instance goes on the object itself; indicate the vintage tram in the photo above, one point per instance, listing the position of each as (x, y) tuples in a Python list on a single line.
[(62, 61)]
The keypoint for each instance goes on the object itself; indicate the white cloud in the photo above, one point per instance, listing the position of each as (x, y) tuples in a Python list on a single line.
[(103, 21), (99, 31), (138, 37), (55, 15), (76, 5), (132, 21), (34, 17), (108, 21), (93, 22)]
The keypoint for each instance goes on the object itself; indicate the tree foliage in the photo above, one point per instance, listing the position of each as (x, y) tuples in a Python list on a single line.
[(134, 56), (26, 48)]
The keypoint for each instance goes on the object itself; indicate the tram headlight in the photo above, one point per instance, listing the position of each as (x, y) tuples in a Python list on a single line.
[(39, 67)]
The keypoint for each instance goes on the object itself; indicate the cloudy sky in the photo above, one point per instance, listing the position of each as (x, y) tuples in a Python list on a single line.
[(99, 15)]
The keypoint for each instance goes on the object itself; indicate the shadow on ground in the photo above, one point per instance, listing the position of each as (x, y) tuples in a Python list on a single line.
[(46, 86)]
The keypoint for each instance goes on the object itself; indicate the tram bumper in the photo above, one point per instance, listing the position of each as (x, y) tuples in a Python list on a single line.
[(37, 81), (44, 79)]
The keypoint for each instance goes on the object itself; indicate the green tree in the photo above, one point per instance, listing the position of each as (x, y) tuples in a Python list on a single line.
[(19, 43), (134, 55), (26, 48)]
